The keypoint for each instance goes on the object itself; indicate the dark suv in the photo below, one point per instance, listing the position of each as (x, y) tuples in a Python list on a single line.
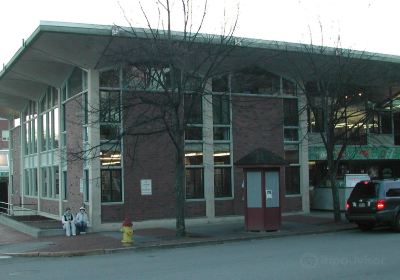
[(375, 202)]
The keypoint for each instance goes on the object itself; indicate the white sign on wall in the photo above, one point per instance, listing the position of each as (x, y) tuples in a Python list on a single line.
[(145, 187)]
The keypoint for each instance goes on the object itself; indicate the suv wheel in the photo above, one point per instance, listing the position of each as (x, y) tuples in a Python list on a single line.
[(365, 226)]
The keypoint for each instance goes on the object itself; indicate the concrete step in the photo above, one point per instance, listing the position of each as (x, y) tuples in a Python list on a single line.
[(33, 227)]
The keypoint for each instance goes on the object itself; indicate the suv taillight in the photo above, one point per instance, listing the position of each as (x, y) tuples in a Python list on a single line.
[(380, 204), (347, 205)]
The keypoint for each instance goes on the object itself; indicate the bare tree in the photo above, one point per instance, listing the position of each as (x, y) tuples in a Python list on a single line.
[(167, 74), (338, 86)]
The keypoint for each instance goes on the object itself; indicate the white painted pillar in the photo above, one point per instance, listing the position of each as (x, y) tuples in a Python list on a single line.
[(94, 142), (208, 153), (303, 154)]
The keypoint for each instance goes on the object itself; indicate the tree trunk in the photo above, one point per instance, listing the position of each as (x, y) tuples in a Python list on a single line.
[(335, 197), (180, 194)]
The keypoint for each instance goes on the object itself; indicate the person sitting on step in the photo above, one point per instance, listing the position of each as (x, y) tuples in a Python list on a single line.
[(81, 220), (68, 222)]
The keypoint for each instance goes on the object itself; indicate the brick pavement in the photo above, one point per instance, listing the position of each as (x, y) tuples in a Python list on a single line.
[(11, 236)]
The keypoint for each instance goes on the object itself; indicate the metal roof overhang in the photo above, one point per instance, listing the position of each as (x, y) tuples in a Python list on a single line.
[(55, 48)]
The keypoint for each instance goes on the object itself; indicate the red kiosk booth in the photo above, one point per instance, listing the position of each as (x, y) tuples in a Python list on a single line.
[(264, 181)]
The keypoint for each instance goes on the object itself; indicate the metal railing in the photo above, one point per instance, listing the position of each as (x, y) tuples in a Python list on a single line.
[(17, 209)]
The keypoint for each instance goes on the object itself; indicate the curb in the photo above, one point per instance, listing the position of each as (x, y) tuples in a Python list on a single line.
[(172, 245)]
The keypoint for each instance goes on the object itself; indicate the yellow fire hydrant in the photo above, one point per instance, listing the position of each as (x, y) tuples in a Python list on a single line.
[(127, 232)]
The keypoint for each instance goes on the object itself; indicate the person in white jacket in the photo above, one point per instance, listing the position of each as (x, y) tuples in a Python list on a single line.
[(68, 222), (82, 220)]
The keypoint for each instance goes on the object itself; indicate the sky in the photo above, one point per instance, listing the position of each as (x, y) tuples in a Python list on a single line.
[(369, 25)]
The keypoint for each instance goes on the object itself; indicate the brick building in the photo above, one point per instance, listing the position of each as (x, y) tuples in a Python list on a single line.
[(61, 71)]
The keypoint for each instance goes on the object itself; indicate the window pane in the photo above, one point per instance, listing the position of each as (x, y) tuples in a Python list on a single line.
[(255, 80), (222, 133), (109, 132), (194, 183), (193, 109), (292, 180), (291, 134), (109, 78), (222, 154), (220, 84), (110, 106), (290, 111), (221, 109), (222, 182), (289, 88), (292, 156), (111, 185), (110, 155), (56, 181), (194, 133), (193, 154)]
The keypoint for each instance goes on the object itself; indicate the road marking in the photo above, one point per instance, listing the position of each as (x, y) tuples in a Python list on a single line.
[(5, 257)]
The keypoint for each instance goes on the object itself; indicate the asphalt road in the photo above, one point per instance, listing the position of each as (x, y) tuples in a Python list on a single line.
[(343, 255)]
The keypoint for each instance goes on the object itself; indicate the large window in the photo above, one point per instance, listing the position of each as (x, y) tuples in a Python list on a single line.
[(49, 118), (50, 182), (222, 146), (193, 111), (194, 170), (31, 128), (291, 119), (110, 138), (111, 185), (292, 172)]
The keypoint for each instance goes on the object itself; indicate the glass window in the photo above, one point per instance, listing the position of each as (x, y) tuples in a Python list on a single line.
[(291, 134), (292, 180), (110, 155), (222, 154), (109, 78), (111, 187), (221, 109), (45, 182), (194, 183), (255, 81), (316, 120), (288, 87), (193, 154), (220, 84), (222, 182), (194, 133), (86, 182), (109, 132), (110, 106), (65, 184), (222, 133), (56, 181), (290, 112), (193, 109)]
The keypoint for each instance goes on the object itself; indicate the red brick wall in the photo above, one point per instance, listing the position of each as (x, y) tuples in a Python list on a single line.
[(292, 204), (74, 144), (148, 157), (257, 122), (49, 206), (15, 137)]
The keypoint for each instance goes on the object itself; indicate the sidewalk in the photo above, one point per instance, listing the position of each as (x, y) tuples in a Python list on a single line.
[(18, 244)]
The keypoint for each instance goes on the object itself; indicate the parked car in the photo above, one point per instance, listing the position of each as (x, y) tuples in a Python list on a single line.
[(373, 203)]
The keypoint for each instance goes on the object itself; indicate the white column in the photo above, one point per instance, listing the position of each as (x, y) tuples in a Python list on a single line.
[(303, 154), (208, 154), (94, 142)]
